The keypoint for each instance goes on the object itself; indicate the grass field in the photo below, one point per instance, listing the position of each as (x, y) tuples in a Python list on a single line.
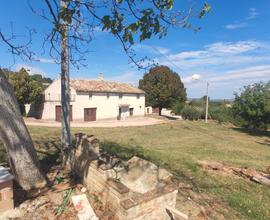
[(179, 145)]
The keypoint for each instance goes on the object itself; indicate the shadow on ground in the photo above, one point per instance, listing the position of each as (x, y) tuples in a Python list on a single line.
[(253, 132)]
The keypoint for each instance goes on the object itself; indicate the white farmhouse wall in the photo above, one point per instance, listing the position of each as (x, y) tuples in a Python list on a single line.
[(148, 110), (53, 98), (107, 107), (164, 111), (107, 104)]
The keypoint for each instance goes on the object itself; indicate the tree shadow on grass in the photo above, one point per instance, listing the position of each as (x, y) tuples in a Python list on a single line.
[(266, 142), (126, 152), (48, 157), (171, 118), (253, 132)]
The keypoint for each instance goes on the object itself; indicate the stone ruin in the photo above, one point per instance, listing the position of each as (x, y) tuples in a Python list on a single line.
[(135, 189)]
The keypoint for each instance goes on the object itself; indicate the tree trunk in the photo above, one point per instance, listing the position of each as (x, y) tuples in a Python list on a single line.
[(159, 111), (65, 91), (16, 138)]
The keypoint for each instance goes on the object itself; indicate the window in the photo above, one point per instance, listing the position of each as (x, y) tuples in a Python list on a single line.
[(138, 96), (90, 96), (108, 95), (120, 96)]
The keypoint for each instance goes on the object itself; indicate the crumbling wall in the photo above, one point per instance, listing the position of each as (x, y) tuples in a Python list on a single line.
[(84, 151), (105, 179)]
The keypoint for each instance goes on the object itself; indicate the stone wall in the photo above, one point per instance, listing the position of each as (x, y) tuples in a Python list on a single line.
[(125, 190)]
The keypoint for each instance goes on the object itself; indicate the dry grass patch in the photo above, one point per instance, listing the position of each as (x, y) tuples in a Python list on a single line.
[(179, 145)]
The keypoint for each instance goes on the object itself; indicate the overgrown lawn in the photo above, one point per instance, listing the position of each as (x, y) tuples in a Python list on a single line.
[(179, 145)]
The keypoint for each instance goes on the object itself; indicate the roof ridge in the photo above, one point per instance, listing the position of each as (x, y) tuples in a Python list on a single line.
[(104, 86), (96, 80)]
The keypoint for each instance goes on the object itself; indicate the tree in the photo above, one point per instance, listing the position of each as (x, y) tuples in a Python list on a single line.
[(18, 143), (27, 90), (41, 79), (253, 105), (124, 19), (127, 20), (163, 88)]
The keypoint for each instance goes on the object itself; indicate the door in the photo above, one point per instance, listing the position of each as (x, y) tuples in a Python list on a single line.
[(58, 113), (131, 111), (90, 114), (119, 114)]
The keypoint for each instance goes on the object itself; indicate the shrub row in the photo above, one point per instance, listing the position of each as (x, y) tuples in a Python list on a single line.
[(218, 113)]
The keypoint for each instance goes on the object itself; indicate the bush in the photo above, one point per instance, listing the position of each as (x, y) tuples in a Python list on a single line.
[(253, 105), (221, 114), (191, 113), (177, 107)]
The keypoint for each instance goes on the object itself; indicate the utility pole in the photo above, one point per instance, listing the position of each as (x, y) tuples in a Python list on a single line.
[(65, 91), (206, 105)]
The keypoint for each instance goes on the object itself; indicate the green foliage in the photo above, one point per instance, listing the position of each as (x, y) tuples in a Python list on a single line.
[(253, 105), (127, 19), (206, 9), (121, 151), (218, 110), (198, 103), (148, 21), (40, 78), (177, 107), (191, 113), (221, 113), (28, 89), (163, 87)]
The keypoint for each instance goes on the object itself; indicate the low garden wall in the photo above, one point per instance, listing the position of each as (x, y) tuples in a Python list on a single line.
[(134, 190)]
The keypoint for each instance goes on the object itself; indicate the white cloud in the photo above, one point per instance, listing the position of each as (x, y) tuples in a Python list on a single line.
[(224, 83), (253, 13), (219, 55), (187, 55), (255, 72), (192, 78), (31, 69), (151, 49), (44, 60), (230, 64), (234, 26), (238, 47)]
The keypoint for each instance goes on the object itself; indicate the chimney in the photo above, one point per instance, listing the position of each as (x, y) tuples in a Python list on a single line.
[(101, 77)]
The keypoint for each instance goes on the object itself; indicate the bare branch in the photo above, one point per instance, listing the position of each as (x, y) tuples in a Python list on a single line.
[(21, 50)]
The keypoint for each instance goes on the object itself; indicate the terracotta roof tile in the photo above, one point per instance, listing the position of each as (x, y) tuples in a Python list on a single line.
[(104, 86)]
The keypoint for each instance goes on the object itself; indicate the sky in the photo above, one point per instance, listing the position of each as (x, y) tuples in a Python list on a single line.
[(231, 50)]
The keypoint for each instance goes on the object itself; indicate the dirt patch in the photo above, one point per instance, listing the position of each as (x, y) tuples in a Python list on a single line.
[(200, 206), (260, 177), (130, 122)]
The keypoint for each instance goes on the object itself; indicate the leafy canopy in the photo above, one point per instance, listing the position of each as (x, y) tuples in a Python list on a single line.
[(253, 105), (163, 87), (129, 21), (28, 89)]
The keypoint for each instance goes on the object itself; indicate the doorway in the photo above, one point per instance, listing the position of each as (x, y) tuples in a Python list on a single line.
[(90, 114), (58, 113)]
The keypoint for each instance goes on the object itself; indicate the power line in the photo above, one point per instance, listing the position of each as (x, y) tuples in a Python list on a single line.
[(168, 59)]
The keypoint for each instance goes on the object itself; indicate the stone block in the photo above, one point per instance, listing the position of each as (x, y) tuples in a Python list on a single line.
[(140, 192), (6, 190)]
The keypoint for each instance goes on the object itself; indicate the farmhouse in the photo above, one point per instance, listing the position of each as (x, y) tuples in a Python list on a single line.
[(92, 100)]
